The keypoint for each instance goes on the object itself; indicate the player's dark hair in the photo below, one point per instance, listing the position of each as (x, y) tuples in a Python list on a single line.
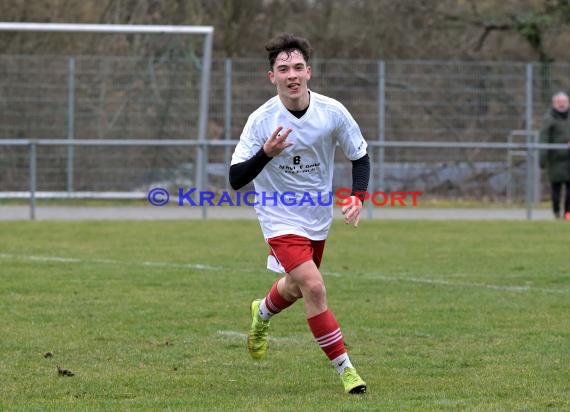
[(288, 43)]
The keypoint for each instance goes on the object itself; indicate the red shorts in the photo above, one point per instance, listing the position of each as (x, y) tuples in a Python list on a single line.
[(292, 250)]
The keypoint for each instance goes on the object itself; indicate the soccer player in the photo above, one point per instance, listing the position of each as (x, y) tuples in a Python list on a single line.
[(288, 145)]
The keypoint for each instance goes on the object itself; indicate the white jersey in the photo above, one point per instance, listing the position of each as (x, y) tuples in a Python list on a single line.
[(301, 171)]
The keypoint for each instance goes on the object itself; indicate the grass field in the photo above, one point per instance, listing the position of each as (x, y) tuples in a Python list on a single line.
[(153, 315)]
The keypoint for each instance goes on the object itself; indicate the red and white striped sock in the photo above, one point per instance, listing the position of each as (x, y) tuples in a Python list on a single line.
[(327, 332), (273, 303)]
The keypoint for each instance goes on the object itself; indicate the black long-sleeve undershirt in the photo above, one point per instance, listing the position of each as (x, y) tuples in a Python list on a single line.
[(360, 175), (243, 173)]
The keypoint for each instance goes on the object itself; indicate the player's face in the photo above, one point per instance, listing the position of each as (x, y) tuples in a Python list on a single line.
[(290, 75), (561, 103)]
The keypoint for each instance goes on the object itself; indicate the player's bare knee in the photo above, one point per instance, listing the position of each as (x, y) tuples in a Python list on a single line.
[(314, 290)]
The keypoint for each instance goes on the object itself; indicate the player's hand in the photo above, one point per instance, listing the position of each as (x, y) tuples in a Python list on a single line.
[(277, 142), (352, 211)]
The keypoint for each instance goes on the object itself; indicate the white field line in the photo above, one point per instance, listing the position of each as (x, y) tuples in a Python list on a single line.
[(198, 266), (206, 267), (443, 282), (40, 258)]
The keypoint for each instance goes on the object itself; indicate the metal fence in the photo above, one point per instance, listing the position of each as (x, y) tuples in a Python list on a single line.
[(484, 178), (115, 127)]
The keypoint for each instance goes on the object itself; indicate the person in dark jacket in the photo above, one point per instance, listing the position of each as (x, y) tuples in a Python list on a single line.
[(556, 129)]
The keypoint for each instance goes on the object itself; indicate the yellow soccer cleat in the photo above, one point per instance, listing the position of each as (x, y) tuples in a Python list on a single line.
[(352, 382), (258, 332)]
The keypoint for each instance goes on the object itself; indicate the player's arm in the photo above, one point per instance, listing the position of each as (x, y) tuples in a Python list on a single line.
[(244, 172), (360, 178), (354, 147)]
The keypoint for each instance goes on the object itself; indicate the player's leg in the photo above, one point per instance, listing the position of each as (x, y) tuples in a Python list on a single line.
[(324, 325), (288, 251), (556, 188), (308, 279), (282, 294)]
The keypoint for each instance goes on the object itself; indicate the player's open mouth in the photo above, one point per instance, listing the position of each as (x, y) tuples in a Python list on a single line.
[(294, 86)]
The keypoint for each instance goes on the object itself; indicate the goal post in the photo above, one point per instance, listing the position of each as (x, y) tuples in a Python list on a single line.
[(206, 65)]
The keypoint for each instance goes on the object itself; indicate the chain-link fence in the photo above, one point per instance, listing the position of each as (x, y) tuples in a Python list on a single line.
[(466, 107)]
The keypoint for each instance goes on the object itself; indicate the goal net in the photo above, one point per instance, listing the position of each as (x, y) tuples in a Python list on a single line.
[(102, 111)]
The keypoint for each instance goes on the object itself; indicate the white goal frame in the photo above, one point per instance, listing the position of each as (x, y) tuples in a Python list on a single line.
[(206, 31)]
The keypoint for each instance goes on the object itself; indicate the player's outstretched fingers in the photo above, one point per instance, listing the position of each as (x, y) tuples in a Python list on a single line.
[(352, 211), (276, 133), (357, 218), (283, 135), (277, 142), (347, 206)]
